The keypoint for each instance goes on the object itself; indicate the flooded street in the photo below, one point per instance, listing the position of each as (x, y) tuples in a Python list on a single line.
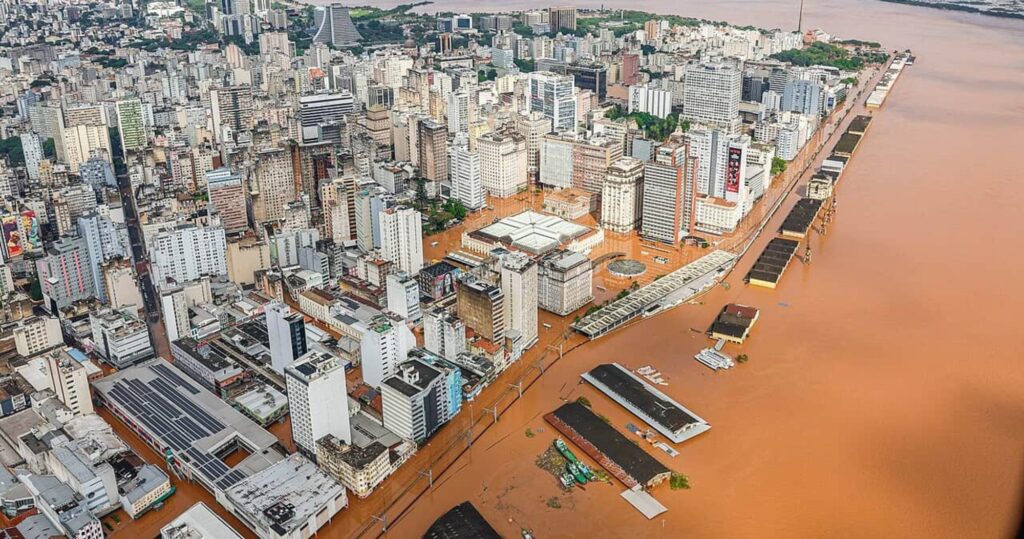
[(884, 395)]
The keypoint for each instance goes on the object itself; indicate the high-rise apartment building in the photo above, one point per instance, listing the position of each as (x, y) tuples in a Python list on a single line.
[(274, 184), (286, 332), (554, 96), (70, 382), (503, 163), (712, 93), (232, 110), (404, 296), (562, 18), (402, 238), (432, 144), (186, 252), (384, 345), (444, 334), (419, 398), (131, 125), (82, 142), (32, 147), (481, 306), (467, 186), (519, 288), (227, 195), (668, 197), (65, 274), (564, 282), (105, 240), (533, 126), (650, 100), (621, 195), (317, 400)]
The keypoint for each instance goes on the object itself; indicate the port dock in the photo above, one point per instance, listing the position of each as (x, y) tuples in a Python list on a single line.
[(769, 267), (799, 220), (673, 288), (623, 458), (667, 416)]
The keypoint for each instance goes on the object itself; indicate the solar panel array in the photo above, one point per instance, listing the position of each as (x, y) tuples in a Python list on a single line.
[(175, 420)]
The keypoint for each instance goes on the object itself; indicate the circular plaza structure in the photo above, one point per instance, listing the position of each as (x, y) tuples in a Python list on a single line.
[(626, 267)]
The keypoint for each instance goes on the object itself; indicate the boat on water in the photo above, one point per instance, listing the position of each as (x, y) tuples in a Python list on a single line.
[(567, 480), (564, 450), (580, 477), (587, 471)]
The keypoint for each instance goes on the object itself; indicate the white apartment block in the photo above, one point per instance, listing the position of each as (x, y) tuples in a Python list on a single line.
[(503, 163), (621, 195), (317, 400), (401, 230)]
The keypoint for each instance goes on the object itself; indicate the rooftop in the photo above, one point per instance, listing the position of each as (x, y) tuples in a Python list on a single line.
[(192, 422), (285, 495), (532, 232)]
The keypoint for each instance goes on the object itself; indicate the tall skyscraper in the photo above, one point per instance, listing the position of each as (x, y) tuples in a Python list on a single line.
[(227, 195), (621, 195), (503, 163), (232, 109), (32, 147), (668, 197), (64, 273), (286, 332), (519, 287), (384, 345), (432, 141), (712, 93), (466, 184), (317, 400), (131, 125), (560, 18), (554, 96), (334, 26), (533, 126), (105, 240), (402, 238), (274, 178)]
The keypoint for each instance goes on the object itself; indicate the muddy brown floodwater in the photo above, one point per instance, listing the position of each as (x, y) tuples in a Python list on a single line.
[(884, 396)]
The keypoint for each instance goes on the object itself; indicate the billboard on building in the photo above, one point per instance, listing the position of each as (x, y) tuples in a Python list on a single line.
[(732, 170), (31, 239), (11, 237)]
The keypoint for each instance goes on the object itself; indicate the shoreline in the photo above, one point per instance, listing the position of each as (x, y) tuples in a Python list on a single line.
[(959, 7)]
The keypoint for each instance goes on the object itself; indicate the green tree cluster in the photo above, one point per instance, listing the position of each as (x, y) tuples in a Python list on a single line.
[(778, 166), (827, 54), (12, 150), (657, 128)]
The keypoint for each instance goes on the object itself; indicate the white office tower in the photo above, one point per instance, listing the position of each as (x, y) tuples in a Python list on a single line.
[(519, 286), (444, 334), (503, 163), (321, 116), (420, 398), (466, 184), (651, 101), (564, 281), (712, 93), (401, 230), (317, 400), (404, 296), (70, 382), (32, 147), (187, 252), (621, 195), (459, 110), (174, 308), (554, 96), (334, 26), (106, 240), (286, 332), (716, 151), (384, 345)]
